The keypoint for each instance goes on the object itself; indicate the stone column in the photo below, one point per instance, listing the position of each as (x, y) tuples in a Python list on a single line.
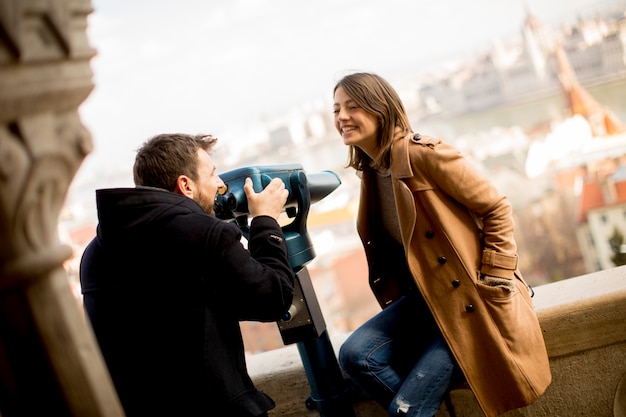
[(49, 361)]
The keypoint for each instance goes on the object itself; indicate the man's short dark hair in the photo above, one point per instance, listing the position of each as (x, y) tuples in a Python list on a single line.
[(163, 158)]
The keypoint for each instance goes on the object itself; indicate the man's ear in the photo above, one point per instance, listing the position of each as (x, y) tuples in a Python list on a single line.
[(184, 186)]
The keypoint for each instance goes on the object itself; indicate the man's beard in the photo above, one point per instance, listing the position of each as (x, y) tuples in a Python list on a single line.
[(206, 203)]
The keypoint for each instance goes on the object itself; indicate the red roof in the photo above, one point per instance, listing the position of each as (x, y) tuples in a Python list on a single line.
[(592, 197)]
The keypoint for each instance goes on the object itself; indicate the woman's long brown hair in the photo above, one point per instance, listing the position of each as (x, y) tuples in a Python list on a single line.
[(376, 96)]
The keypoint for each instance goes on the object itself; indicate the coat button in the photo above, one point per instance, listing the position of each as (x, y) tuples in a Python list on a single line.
[(456, 283), (430, 234), (469, 308), (417, 136), (442, 260)]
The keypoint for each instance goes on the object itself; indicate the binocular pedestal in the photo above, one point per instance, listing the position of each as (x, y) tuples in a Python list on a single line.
[(304, 325)]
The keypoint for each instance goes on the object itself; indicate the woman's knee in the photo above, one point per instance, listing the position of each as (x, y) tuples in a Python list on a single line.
[(346, 355), (350, 355)]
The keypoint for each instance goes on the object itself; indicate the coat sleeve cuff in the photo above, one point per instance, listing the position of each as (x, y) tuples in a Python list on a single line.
[(498, 264)]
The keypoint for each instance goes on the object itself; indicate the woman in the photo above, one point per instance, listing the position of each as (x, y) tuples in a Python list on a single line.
[(442, 263)]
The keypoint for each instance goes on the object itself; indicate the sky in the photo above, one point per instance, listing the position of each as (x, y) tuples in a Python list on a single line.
[(226, 66)]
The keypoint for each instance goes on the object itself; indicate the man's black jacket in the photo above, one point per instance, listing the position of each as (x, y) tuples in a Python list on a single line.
[(164, 286)]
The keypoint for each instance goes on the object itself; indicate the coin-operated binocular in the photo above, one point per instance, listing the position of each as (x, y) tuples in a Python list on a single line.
[(303, 323), (304, 317), (304, 190)]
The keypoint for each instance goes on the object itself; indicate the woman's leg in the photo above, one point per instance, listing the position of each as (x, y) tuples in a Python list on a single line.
[(426, 385), (379, 354)]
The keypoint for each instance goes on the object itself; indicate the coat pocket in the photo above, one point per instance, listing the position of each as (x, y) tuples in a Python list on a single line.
[(514, 316), (521, 344)]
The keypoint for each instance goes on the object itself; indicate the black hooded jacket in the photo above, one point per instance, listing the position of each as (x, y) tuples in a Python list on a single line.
[(165, 285)]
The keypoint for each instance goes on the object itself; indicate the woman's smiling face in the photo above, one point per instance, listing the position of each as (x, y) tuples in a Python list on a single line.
[(356, 126)]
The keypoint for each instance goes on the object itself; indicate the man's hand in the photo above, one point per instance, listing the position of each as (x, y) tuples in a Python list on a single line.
[(268, 202)]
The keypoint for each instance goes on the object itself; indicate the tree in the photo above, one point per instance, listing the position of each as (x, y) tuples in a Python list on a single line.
[(616, 241)]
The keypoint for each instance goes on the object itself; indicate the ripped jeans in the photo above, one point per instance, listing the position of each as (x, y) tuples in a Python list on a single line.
[(400, 359)]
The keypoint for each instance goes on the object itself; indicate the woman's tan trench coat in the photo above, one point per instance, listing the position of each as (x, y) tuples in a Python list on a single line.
[(494, 334)]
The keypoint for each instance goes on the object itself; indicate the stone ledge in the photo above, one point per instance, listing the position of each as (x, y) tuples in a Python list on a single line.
[(583, 319)]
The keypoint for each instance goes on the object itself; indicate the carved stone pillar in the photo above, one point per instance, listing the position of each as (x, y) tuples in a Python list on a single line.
[(49, 360)]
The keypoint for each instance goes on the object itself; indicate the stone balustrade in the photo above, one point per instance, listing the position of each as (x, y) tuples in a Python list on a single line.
[(584, 324)]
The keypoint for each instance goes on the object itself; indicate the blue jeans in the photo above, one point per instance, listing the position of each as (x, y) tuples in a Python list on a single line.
[(400, 359)]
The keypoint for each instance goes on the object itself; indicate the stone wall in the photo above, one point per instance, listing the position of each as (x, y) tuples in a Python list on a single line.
[(49, 361)]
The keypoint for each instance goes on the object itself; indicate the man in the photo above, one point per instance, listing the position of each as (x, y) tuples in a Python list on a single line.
[(165, 284)]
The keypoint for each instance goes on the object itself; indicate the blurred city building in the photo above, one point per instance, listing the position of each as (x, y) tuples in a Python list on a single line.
[(527, 68)]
